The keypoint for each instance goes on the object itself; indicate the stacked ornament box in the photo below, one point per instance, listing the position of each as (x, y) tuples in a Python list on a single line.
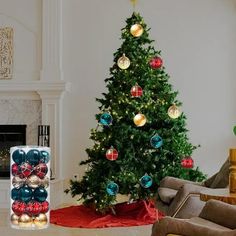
[(30, 176)]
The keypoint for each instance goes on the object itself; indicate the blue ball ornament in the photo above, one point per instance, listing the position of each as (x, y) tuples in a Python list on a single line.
[(146, 181), (105, 119), (33, 157), (156, 141), (40, 194), (15, 194), (112, 188), (25, 194), (18, 156), (44, 157)]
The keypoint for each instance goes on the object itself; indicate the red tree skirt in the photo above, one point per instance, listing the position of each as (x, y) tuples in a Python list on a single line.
[(138, 213)]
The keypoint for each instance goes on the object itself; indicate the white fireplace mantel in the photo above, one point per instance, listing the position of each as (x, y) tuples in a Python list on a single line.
[(50, 93), (55, 87)]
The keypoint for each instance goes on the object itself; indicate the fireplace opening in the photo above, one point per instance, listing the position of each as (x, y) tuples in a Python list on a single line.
[(10, 135)]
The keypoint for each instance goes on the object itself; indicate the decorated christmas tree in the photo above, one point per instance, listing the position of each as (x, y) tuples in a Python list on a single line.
[(141, 135)]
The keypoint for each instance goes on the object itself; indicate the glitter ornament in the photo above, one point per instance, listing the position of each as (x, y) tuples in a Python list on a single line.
[(187, 162), (15, 169), (156, 141), (40, 220), (136, 91), (18, 207), (123, 62), (136, 30), (112, 154), (174, 112), (33, 181), (44, 157), (156, 63), (140, 120), (44, 207), (33, 157), (146, 181), (25, 194), (15, 194), (14, 219), (105, 119), (26, 169), (40, 194), (33, 208), (44, 182), (18, 156), (25, 221), (112, 188), (41, 170), (17, 182)]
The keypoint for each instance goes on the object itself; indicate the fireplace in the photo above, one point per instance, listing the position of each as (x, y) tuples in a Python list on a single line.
[(10, 135)]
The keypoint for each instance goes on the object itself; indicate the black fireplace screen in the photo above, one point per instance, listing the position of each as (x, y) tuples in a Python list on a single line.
[(10, 135)]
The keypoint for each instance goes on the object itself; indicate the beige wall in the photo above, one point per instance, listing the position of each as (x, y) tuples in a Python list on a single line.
[(197, 39)]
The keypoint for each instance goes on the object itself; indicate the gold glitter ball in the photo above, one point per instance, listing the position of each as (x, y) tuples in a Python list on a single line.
[(25, 221), (174, 112), (123, 62), (140, 120), (14, 219), (41, 220), (136, 30)]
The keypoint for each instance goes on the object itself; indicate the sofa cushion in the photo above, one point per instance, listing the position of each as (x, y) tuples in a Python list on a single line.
[(221, 178), (166, 194), (220, 212), (207, 223)]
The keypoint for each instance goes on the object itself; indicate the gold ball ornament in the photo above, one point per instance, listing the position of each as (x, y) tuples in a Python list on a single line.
[(140, 120), (17, 182), (33, 181), (123, 62), (136, 30), (41, 220), (174, 112), (14, 219), (25, 221), (44, 182)]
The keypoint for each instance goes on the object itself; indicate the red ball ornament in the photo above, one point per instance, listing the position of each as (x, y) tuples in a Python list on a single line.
[(187, 162), (18, 207), (156, 63), (136, 91), (44, 207), (33, 208), (26, 169), (15, 169), (111, 154), (41, 170)]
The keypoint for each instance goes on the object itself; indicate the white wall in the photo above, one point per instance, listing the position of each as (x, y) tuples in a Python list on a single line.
[(197, 39), (24, 17)]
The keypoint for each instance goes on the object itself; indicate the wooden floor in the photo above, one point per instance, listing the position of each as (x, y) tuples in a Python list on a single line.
[(53, 230)]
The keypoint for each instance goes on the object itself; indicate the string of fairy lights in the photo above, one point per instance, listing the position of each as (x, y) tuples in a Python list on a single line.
[(136, 91)]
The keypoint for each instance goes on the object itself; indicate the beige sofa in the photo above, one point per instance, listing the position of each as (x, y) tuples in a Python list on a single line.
[(180, 198), (216, 219)]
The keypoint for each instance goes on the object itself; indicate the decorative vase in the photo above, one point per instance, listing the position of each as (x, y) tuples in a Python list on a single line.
[(232, 169), (30, 175)]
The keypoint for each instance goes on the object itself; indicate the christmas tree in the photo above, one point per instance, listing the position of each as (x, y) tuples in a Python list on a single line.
[(141, 135)]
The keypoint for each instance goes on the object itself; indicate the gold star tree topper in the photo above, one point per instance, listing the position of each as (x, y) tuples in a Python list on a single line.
[(134, 2)]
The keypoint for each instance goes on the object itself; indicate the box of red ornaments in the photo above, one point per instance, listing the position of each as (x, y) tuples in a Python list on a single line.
[(30, 175)]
